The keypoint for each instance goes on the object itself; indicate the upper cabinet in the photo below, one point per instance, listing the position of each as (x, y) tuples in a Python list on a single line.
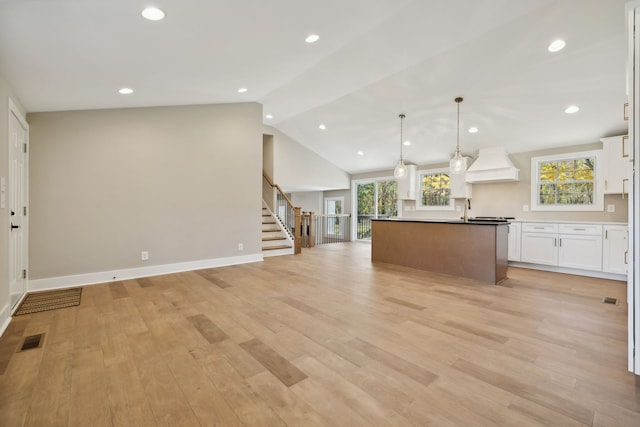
[(616, 160), (407, 186), (460, 189)]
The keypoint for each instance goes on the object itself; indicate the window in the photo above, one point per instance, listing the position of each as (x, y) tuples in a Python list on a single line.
[(374, 199), (567, 182), (434, 190)]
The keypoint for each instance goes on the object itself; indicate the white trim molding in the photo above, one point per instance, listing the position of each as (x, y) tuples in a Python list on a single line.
[(5, 318), (135, 273)]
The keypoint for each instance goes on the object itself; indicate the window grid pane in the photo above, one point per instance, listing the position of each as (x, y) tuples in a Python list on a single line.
[(435, 189), (567, 182)]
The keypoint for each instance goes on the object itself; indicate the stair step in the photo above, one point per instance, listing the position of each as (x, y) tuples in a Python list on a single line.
[(271, 248), (271, 230), (270, 239), (268, 222)]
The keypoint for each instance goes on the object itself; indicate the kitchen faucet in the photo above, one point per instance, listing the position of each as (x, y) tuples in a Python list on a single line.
[(467, 207)]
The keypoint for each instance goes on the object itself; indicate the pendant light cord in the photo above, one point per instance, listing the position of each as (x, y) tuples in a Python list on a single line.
[(458, 131), (402, 116)]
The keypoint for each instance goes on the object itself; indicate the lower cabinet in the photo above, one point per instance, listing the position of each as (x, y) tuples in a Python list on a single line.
[(615, 249), (539, 248), (581, 246), (514, 241), (583, 252)]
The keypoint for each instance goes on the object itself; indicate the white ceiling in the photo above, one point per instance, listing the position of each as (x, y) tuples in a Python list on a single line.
[(375, 59)]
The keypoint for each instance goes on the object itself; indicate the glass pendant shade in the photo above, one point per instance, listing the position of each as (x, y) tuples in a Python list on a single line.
[(400, 171), (457, 164)]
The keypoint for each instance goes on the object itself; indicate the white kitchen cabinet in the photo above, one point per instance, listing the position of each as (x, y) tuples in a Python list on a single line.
[(615, 248), (615, 151), (539, 248), (580, 251), (460, 189), (407, 186), (514, 241), (580, 246)]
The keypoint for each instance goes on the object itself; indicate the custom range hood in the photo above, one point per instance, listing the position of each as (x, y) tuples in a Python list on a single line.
[(492, 165)]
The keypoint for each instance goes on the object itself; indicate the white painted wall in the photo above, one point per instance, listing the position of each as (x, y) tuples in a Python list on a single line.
[(296, 168), (183, 183)]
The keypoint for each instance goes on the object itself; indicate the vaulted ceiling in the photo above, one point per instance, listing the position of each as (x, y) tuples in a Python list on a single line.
[(374, 60)]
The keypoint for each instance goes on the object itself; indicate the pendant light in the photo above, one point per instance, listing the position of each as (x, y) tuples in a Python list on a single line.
[(401, 170), (458, 164)]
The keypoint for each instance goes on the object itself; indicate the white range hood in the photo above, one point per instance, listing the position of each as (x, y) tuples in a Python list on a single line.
[(492, 165)]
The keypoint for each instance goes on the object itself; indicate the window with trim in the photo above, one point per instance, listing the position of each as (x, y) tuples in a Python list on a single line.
[(567, 182), (434, 190)]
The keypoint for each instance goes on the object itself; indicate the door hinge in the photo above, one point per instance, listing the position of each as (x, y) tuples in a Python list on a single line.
[(24, 210), (24, 148), (24, 274)]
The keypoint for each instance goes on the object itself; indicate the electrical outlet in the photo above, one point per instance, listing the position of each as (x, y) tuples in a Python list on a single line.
[(240, 247), (611, 208), (525, 208), (144, 255)]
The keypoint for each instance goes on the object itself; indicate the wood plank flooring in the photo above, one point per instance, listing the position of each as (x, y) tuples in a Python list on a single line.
[(326, 338)]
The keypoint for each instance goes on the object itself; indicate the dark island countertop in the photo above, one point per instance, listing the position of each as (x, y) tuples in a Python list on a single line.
[(444, 221)]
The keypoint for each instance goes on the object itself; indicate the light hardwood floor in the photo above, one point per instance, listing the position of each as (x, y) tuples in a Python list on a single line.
[(325, 339)]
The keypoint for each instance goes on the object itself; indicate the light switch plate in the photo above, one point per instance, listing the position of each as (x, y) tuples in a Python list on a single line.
[(611, 208), (525, 208), (3, 184)]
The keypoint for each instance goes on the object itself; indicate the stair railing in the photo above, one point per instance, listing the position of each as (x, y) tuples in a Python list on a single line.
[(289, 216)]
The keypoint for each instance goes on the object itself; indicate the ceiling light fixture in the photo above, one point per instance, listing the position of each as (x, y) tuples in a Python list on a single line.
[(407, 143), (401, 170), (473, 129), (322, 126), (571, 109), (312, 38), (556, 45), (153, 14), (458, 164), (125, 91), (360, 153), (268, 116), (242, 90)]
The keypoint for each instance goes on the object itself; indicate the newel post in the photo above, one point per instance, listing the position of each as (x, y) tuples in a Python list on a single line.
[(297, 236), (311, 228)]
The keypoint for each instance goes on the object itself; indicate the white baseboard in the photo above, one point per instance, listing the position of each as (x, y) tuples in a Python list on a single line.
[(556, 269), (5, 318), (134, 273)]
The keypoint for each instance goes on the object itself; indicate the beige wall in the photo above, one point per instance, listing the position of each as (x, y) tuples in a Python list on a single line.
[(296, 168), (183, 183), (508, 198), (5, 93)]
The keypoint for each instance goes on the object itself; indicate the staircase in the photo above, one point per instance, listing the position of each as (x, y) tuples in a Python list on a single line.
[(275, 240)]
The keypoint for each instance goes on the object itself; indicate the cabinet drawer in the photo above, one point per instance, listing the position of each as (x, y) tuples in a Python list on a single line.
[(585, 229), (539, 227)]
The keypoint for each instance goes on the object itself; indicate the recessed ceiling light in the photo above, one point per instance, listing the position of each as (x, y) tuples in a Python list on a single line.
[(473, 129), (312, 38), (125, 91), (268, 116), (406, 143), (153, 14), (242, 90), (556, 45), (571, 109), (360, 153), (322, 126)]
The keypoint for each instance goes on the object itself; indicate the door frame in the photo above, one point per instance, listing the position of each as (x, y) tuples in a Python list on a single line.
[(14, 111)]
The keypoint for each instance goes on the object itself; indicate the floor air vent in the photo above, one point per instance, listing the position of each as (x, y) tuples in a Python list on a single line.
[(32, 341), (609, 300)]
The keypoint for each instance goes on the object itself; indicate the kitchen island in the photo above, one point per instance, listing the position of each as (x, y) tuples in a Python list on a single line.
[(474, 250)]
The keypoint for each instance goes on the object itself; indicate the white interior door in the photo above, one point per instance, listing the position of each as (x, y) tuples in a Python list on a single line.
[(17, 186)]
